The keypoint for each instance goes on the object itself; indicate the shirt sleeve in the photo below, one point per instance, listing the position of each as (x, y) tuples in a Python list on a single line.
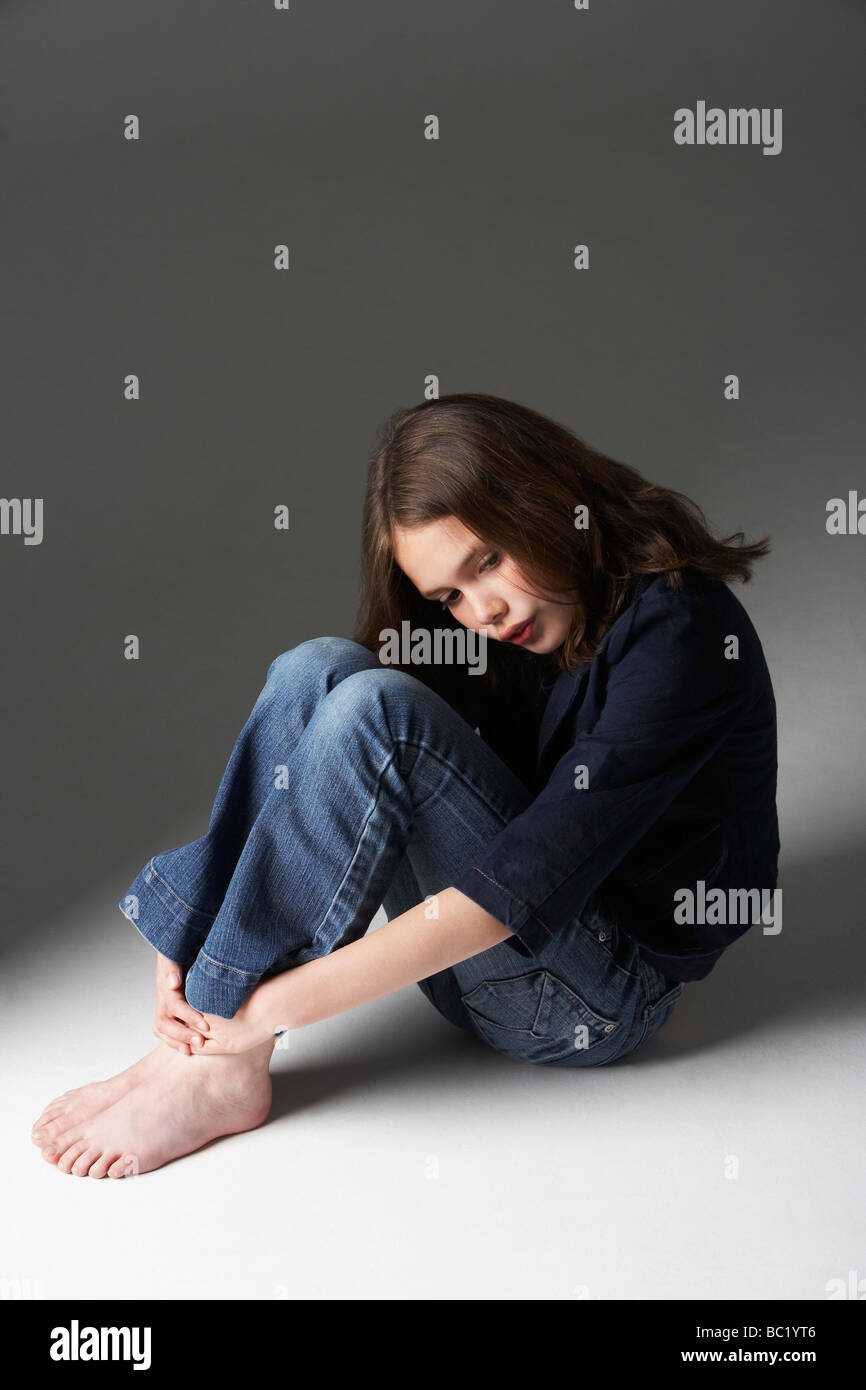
[(671, 699)]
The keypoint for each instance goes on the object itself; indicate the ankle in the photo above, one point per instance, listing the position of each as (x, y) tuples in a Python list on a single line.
[(253, 1060)]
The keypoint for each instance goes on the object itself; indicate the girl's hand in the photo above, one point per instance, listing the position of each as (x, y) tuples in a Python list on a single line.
[(248, 1028), (176, 1022)]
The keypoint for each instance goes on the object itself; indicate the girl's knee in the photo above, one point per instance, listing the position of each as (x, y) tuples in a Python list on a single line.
[(369, 688), (325, 653)]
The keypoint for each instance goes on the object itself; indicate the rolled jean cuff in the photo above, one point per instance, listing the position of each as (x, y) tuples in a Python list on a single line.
[(214, 988), (169, 924)]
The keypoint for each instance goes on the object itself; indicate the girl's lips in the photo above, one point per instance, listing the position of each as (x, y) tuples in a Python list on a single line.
[(523, 634)]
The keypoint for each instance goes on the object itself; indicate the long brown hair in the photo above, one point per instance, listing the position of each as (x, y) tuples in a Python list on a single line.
[(514, 478)]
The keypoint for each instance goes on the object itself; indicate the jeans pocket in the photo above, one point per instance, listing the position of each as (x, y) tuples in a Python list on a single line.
[(538, 1018), (603, 926)]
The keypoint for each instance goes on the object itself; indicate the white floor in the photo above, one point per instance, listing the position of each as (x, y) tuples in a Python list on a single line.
[(403, 1160)]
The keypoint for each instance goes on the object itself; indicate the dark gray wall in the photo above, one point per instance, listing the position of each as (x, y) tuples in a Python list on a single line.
[(408, 257)]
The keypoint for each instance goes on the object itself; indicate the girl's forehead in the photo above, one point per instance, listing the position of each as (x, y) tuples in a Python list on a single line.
[(432, 554), (440, 537)]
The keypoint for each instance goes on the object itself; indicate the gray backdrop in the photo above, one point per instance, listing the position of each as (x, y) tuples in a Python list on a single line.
[(408, 257)]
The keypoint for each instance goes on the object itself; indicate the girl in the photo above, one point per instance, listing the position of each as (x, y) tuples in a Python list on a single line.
[(534, 825)]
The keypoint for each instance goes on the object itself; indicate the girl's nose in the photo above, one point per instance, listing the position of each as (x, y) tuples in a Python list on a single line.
[(491, 618)]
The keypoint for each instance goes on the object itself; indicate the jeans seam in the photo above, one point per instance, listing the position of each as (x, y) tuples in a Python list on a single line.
[(221, 965), (397, 740), (626, 1051), (397, 743), (375, 803), (198, 912), (455, 771)]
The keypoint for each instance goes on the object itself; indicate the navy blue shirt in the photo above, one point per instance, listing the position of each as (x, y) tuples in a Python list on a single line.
[(678, 741)]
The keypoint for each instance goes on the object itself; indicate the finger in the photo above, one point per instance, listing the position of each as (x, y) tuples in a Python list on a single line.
[(179, 1008), (173, 1001), (175, 1031), (178, 1046)]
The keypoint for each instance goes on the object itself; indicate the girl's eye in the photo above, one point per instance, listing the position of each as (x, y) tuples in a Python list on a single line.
[(487, 563)]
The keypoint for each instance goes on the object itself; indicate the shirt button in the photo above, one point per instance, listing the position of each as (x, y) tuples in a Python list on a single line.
[(602, 936), (609, 1027)]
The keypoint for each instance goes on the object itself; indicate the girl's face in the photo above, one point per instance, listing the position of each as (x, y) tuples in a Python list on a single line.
[(480, 586)]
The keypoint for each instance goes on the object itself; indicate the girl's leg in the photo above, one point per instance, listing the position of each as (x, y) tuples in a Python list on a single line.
[(386, 771), (174, 899), (331, 833), (384, 776)]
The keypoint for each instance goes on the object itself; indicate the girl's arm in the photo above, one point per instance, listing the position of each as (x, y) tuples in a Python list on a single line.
[(404, 950)]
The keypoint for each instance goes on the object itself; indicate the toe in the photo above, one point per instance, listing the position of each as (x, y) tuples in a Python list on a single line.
[(56, 1144), (102, 1164), (58, 1103), (54, 1107), (48, 1133), (85, 1161), (68, 1157), (118, 1168)]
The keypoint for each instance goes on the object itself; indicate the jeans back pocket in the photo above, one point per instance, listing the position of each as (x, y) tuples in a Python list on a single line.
[(538, 1018)]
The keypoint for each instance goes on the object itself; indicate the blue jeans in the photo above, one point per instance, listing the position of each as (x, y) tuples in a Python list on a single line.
[(352, 786)]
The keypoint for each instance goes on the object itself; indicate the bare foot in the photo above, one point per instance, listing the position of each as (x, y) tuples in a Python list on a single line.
[(74, 1107), (180, 1106)]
